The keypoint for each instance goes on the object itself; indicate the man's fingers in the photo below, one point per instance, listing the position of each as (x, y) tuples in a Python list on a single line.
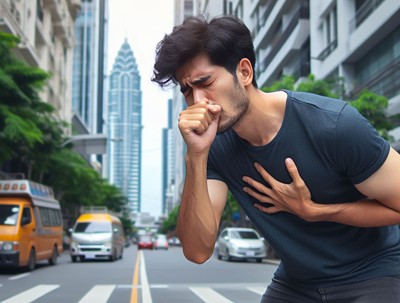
[(260, 197), (294, 173), (269, 210), (266, 176)]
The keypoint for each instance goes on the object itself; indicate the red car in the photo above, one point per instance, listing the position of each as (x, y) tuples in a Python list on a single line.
[(145, 242)]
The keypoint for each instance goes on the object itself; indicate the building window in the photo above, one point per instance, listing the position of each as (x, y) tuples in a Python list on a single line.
[(379, 69), (363, 9), (329, 32)]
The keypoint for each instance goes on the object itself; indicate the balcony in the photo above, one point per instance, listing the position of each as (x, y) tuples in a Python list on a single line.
[(74, 7), (328, 50), (363, 13), (9, 23), (280, 39), (50, 3)]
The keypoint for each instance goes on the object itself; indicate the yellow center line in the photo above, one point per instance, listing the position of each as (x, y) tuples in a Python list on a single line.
[(135, 281)]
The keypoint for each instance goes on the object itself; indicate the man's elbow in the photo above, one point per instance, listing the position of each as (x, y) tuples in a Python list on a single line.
[(198, 258)]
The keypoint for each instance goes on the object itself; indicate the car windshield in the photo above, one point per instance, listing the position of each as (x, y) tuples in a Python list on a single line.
[(9, 214), (93, 227), (243, 234), (145, 239)]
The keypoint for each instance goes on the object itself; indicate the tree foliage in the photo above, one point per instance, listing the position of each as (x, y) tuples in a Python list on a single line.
[(169, 225), (31, 138)]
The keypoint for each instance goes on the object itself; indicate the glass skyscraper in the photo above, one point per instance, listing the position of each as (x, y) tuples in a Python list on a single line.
[(89, 66), (124, 127)]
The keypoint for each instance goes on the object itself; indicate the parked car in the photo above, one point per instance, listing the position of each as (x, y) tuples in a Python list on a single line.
[(241, 243), (145, 242), (174, 241), (161, 242)]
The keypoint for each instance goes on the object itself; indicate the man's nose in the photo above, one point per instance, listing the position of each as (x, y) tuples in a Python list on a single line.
[(198, 95)]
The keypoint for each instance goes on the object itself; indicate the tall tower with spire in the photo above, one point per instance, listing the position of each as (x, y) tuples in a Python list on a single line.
[(125, 127)]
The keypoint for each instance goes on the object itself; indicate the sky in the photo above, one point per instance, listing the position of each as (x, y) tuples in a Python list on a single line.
[(144, 23)]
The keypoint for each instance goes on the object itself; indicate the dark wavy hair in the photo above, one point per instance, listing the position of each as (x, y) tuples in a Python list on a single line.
[(225, 40)]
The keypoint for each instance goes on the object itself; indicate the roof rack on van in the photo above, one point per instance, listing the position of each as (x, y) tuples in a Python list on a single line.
[(40, 194), (98, 210), (26, 187)]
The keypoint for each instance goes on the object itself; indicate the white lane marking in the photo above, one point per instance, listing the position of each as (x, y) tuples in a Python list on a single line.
[(18, 276), (159, 286), (31, 294), (257, 290), (98, 294), (146, 295), (208, 295)]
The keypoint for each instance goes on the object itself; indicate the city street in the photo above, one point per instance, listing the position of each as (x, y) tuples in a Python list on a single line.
[(140, 277)]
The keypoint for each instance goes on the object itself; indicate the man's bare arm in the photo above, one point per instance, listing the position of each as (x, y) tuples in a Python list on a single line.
[(200, 211)]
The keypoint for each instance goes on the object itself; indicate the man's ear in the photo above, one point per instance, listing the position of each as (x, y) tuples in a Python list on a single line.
[(245, 71)]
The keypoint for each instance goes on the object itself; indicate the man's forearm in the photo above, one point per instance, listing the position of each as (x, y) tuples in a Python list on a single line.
[(363, 213), (197, 226)]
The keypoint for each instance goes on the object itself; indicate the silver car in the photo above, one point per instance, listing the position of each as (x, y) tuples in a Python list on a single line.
[(241, 243)]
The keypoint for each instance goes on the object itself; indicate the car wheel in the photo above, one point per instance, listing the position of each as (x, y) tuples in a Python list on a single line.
[(54, 255), (112, 257), (259, 260), (74, 259), (228, 256), (32, 260)]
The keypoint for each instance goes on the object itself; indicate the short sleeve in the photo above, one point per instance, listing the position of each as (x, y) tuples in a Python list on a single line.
[(360, 149), (212, 172)]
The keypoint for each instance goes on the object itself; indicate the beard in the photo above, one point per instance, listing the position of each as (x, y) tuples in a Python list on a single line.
[(240, 105)]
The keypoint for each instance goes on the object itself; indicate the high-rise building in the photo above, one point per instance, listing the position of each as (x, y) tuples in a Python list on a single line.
[(168, 163), (124, 127), (89, 67)]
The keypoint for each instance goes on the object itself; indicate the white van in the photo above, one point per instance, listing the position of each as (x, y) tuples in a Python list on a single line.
[(97, 234)]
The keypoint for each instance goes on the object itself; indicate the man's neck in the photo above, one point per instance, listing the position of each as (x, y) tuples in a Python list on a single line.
[(264, 117)]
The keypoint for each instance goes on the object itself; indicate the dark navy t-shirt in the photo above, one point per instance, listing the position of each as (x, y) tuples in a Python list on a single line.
[(333, 147)]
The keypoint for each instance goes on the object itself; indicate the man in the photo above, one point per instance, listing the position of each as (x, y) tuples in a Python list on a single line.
[(310, 172)]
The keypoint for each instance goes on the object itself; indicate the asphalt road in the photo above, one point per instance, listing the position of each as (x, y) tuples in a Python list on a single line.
[(139, 277)]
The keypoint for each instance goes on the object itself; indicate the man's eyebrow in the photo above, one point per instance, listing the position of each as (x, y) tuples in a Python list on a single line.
[(201, 80)]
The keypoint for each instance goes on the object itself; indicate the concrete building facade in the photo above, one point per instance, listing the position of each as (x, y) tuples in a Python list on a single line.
[(45, 29)]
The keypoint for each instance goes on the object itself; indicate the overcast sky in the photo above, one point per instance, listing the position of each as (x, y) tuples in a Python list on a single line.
[(144, 23)]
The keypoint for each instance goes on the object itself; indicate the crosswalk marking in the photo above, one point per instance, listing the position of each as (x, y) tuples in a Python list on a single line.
[(31, 294), (103, 293), (98, 294), (19, 276), (209, 295), (257, 290)]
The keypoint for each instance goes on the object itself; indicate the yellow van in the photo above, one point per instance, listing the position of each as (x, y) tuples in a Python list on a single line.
[(97, 234), (31, 228)]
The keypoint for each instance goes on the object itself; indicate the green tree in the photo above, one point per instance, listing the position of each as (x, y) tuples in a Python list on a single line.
[(169, 225), (286, 82), (373, 107), (20, 106), (370, 105), (320, 87), (231, 208)]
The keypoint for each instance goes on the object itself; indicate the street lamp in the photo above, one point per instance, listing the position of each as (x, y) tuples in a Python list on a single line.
[(88, 144)]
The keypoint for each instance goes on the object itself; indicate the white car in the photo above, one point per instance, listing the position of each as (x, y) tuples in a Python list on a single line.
[(241, 243), (161, 242)]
